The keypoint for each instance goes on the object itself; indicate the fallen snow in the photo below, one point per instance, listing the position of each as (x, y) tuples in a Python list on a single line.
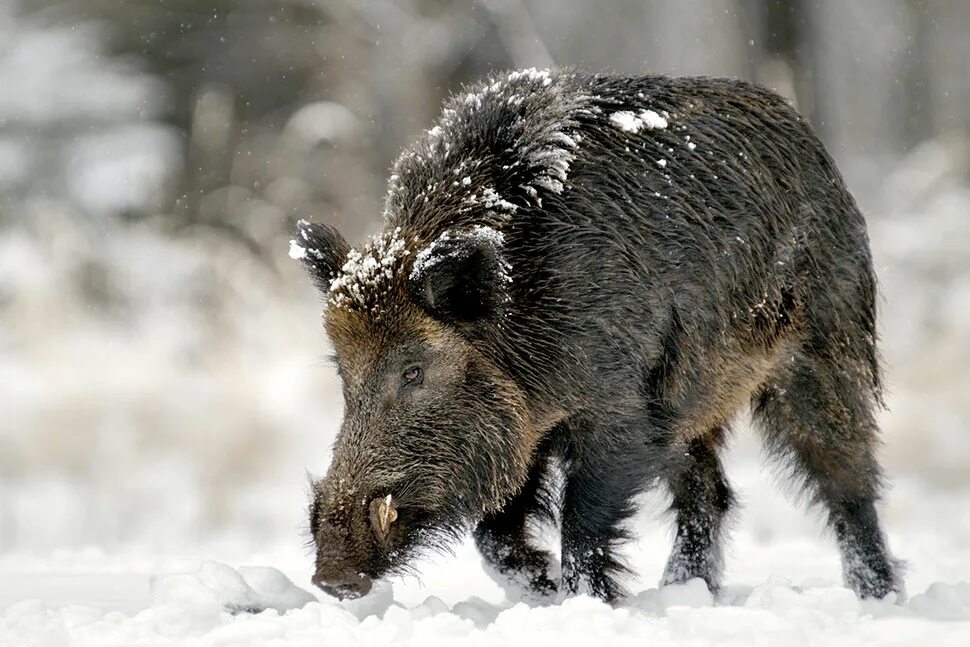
[(219, 605), (547, 146), (432, 254), (630, 122), (369, 270), (297, 251), (495, 201), (532, 74), (250, 589), (782, 587)]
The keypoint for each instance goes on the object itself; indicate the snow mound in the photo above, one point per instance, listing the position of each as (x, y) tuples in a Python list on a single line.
[(943, 601), (217, 587)]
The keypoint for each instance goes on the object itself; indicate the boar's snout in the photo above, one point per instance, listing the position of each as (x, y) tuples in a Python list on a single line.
[(352, 541), (342, 584)]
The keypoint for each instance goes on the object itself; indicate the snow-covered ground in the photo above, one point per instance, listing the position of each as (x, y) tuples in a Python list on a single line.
[(782, 588)]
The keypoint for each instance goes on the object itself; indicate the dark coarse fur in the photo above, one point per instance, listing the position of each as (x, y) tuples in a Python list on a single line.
[(654, 273)]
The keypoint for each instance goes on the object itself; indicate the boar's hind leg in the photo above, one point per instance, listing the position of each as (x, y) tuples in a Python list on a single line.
[(503, 539), (817, 417), (701, 499)]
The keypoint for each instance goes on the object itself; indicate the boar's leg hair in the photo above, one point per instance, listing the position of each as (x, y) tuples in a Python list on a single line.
[(503, 539), (819, 423), (604, 473), (701, 500)]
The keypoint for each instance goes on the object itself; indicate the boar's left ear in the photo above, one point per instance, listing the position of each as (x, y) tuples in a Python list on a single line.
[(462, 276), (321, 249)]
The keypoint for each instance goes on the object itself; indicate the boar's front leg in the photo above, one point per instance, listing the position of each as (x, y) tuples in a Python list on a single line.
[(606, 468), (503, 539)]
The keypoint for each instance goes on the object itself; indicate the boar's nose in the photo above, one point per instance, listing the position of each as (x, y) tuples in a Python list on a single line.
[(344, 585)]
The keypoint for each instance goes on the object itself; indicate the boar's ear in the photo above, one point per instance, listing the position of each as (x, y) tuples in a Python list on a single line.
[(462, 276), (322, 251)]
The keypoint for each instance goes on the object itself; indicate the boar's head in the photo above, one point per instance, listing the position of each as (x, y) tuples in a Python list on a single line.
[(434, 432)]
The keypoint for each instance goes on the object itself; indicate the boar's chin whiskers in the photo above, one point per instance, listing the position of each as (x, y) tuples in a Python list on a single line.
[(404, 569), (309, 543)]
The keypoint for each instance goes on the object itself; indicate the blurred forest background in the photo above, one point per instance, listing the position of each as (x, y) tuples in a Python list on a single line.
[(160, 378)]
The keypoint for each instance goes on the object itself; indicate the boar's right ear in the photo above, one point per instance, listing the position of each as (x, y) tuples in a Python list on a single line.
[(462, 276), (322, 251)]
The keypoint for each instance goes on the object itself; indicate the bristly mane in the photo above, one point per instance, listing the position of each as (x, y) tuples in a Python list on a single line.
[(499, 147)]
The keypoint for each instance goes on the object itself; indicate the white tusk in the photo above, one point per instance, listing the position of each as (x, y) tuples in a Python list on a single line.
[(386, 514)]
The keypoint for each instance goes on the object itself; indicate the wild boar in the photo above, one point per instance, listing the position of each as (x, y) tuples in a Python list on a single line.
[(594, 274)]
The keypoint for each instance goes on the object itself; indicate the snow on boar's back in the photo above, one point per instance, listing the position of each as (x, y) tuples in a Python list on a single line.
[(595, 273)]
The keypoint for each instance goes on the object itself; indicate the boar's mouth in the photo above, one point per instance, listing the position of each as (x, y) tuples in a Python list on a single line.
[(390, 553)]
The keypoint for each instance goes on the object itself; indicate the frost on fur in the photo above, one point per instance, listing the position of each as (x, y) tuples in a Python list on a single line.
[(540, 148), (444, 247), (297, 251), (631, 122), (369, 271)]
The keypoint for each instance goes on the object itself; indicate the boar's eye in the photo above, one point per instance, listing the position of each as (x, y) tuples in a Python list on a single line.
[(412, 376)]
